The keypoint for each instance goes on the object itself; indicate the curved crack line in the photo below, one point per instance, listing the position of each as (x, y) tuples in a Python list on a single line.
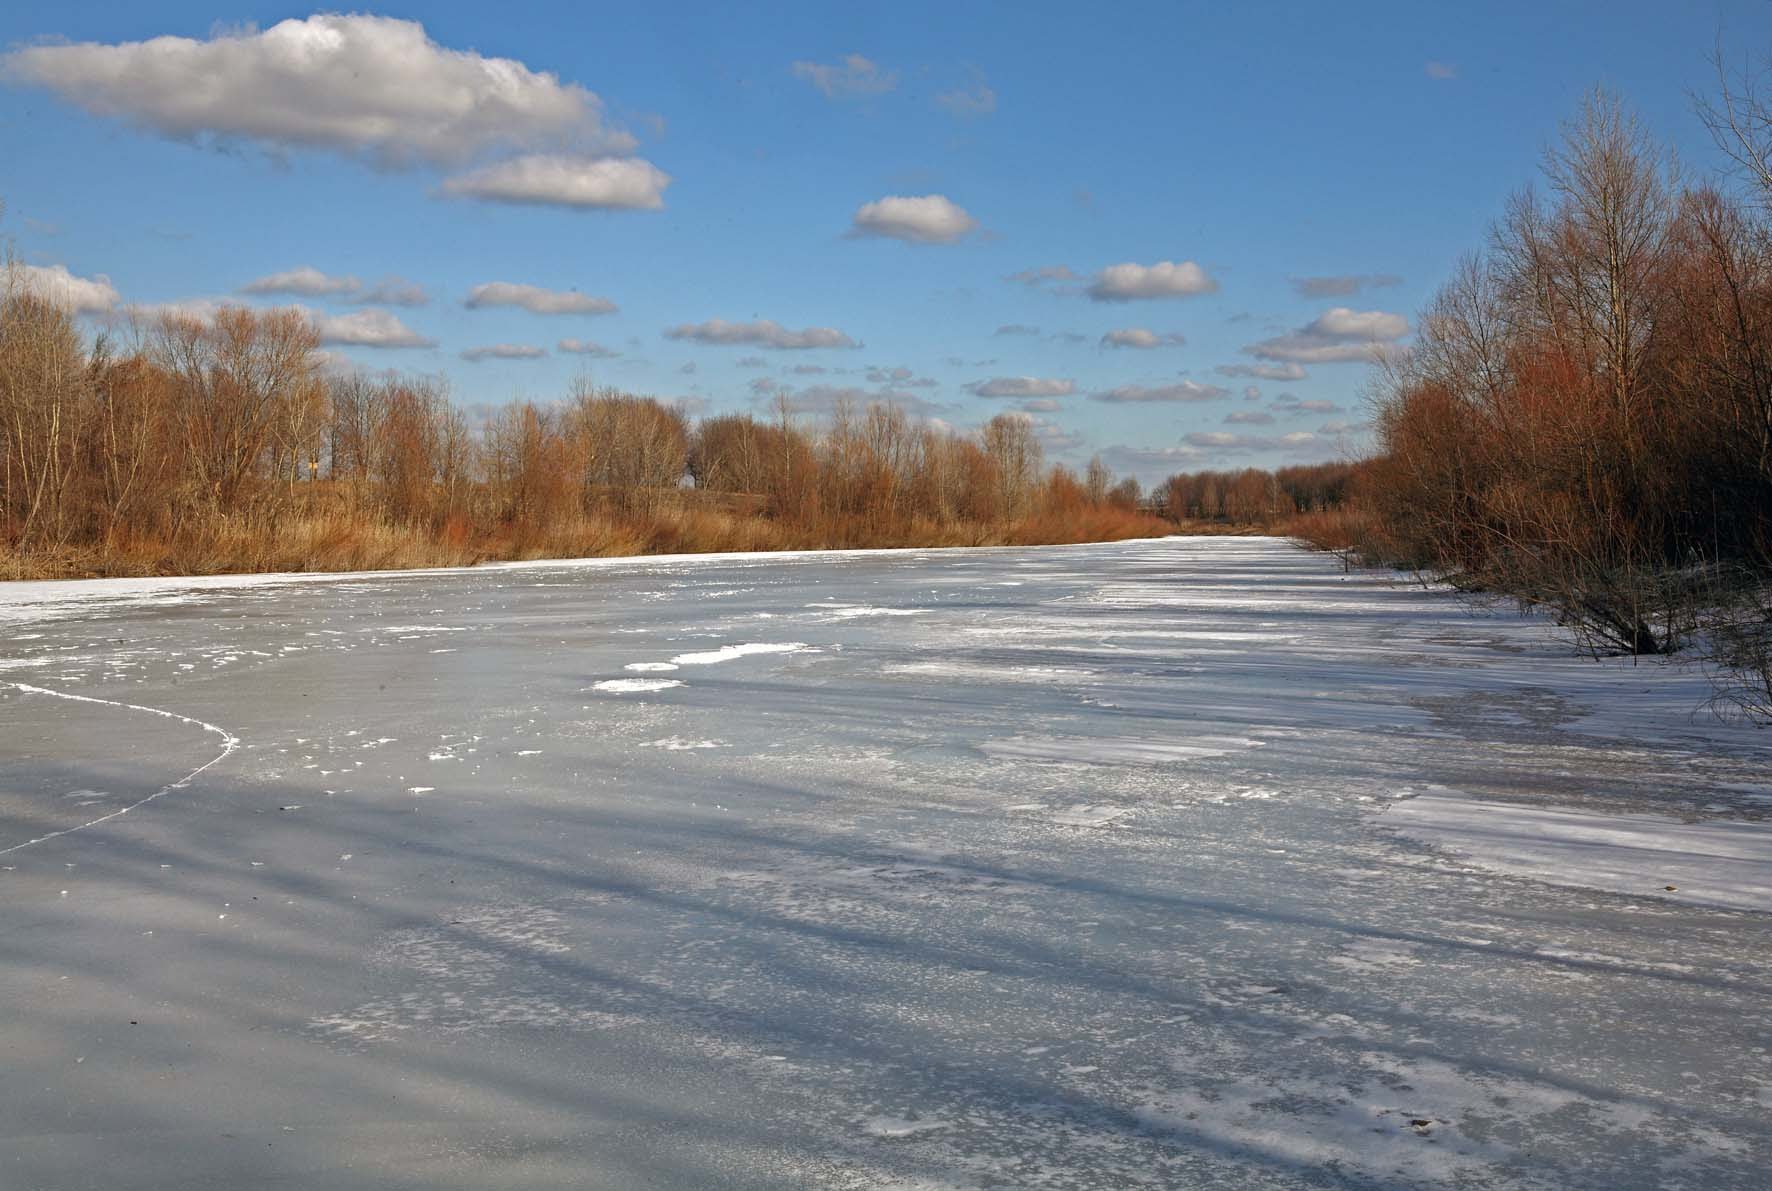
[(229, 743)]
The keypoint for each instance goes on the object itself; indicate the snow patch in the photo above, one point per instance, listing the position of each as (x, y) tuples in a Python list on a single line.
[(629, 686), (727, 653)]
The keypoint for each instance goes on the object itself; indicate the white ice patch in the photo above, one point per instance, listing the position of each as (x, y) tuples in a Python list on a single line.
[(649, 667), (630, 686), (677, 744), (892, 1127), (727, 653), (1727, 864), (854, 611)]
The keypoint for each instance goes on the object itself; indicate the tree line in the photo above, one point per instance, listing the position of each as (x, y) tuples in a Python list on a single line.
[(1584, 422), (221, 443)]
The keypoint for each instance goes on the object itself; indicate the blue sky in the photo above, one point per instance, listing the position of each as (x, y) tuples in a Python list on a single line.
[(1222, 151)]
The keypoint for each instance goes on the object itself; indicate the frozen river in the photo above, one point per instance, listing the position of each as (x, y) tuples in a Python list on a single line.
[(1192, 863)]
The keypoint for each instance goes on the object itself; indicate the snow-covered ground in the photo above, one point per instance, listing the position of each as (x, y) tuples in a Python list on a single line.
[(1191, 863)]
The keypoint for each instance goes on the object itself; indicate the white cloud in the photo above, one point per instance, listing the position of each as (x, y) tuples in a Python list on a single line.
[(920, 219), (537, 300), (566, 180), (899, 375), (504, 351), (975, 100), (1249, 417), (1165, 279), (202, 310), (762, 333), (1040, 405), (365, 86), (394, 291), (53, 283), (309, 282), (1022, 386), (1222, 440), (586, 347), (853, 77), (306, 281), (1287, 371), (1185, 390), (1139, 337), (367, 328), (1336, 336)]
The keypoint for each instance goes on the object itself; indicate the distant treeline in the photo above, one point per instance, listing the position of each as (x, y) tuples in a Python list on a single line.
[(221, 444), (1585, 420)]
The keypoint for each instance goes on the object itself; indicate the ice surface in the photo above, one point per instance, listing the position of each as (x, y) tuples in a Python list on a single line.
[(1724, 863), (1177, 864)]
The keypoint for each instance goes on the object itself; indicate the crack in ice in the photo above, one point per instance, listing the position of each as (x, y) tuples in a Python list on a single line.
[(229, 743)]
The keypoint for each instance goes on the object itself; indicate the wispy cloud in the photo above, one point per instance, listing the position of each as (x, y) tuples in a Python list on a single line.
[(852, 78), (762, 333)]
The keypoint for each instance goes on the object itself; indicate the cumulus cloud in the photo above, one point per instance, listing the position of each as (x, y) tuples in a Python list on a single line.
[(1339, 335), (364, 86), (1287, 371), (918, 219), (503, 351), (306, 281), (1186, 390), (368, 328), (1249, 417), (853, 78), (1342, 285), (1139, 337), (566, 180), (587, 347), (1166, 279), (537, 300), (762, 333), (78, 295), (1022, 386)]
